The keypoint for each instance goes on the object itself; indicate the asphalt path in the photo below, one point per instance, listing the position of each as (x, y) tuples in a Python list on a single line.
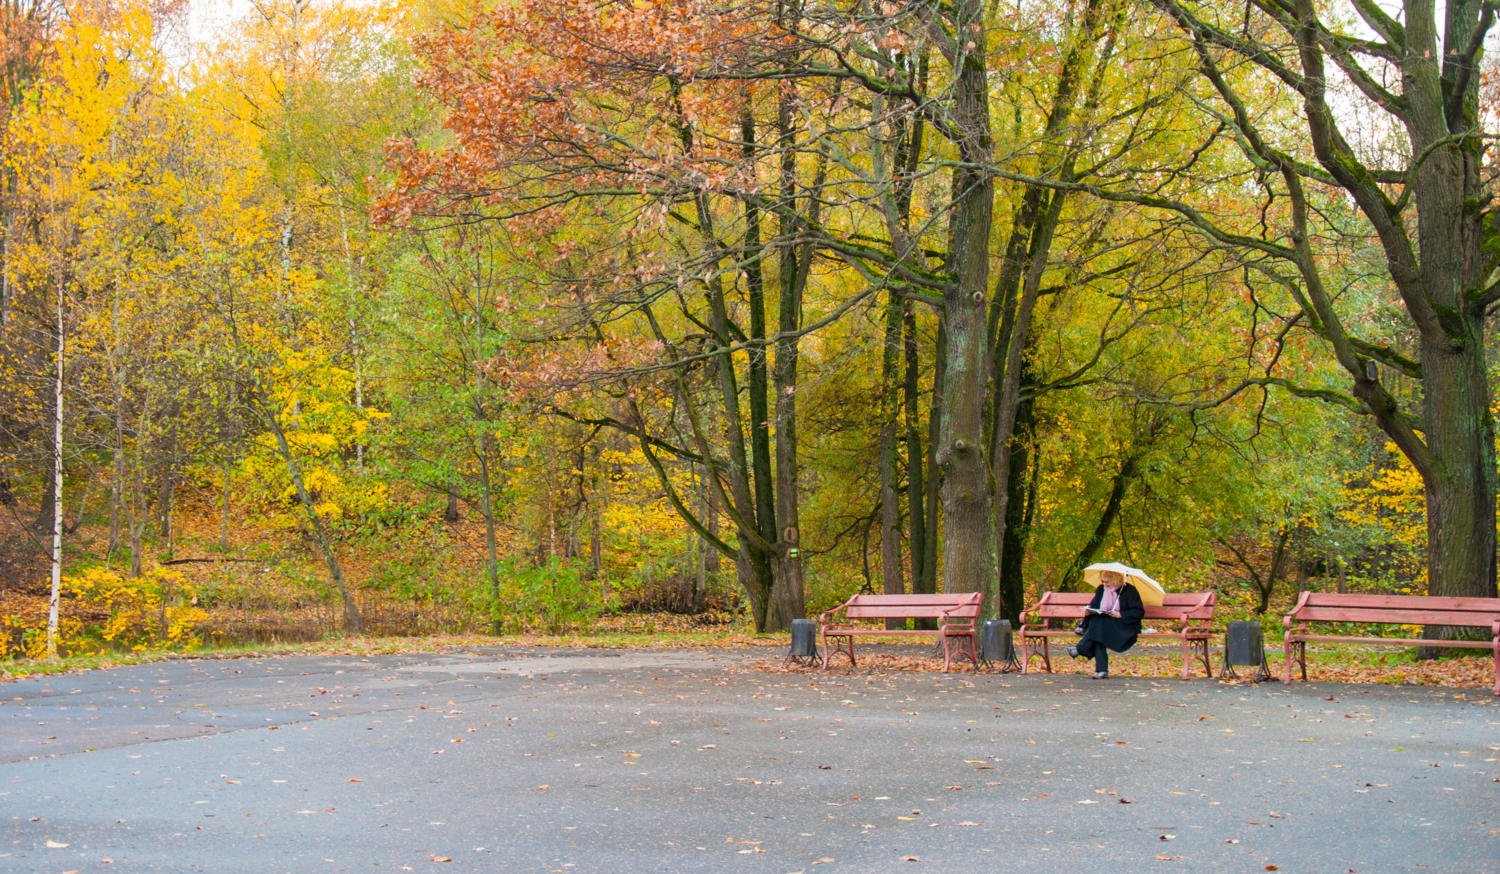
[(690, 761)]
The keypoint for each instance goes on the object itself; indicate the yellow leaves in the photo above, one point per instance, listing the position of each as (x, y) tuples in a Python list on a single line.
[(158, 610), (1394, 502)]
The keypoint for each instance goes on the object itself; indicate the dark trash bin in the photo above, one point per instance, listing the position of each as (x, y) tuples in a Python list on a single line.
[(996, 646), (1244, 646), (804, 642)]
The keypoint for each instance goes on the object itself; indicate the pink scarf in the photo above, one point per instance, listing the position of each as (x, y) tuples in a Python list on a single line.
[(1111, 599)]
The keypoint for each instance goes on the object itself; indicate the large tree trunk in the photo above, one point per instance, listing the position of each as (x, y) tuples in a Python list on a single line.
[(1451, 241), (969, 559), (758, 382), (791, 594), (794, 269), (1461, 488)]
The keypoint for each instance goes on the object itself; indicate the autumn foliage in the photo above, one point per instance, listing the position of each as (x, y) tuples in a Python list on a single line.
[(505, 317)]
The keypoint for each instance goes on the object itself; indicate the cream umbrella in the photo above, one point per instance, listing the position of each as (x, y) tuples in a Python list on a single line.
[(1150, 590)]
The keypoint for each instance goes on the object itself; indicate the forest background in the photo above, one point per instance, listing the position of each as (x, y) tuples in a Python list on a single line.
[(508, 316)]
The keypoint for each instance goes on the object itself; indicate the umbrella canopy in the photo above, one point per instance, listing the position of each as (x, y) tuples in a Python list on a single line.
[(1150, 590)]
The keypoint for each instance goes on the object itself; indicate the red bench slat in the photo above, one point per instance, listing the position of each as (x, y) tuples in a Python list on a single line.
[(963, 607), (912, 612), (961, 598), (1389, 610), (1421, 602), (1393, 641), (1398, 617)]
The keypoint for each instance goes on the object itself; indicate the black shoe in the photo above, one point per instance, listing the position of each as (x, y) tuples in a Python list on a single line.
[(1102, 675), (1073, 651)]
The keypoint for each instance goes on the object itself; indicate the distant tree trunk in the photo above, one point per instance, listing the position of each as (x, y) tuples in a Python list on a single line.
[(57, 487), (701, 548), (932, 535), (135, 520), (751, 565), (1265, 585), (1301, 564), (594, 545), (1073, 576), (117, 443), (168, 504), (916, 488), (450, 509), (711, 558), (893, 578), (353, 622), (487, 507), (224, 513), (1277, 556), (48, 507), (1018, 507), (117, 477)]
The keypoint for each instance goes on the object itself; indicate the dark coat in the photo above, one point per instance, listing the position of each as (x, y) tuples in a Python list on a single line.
[(1116, 634)]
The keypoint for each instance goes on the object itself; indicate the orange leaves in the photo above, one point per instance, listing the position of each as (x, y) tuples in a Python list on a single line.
[(545, 88)]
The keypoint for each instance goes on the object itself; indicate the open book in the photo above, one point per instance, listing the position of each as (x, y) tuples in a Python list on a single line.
[(1093, 610)]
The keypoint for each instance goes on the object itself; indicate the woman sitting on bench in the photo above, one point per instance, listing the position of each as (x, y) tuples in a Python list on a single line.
[(1113, 622)]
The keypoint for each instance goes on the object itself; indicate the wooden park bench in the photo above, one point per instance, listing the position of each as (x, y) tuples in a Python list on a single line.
[(1192, 611), (956, 615), (1390, 610)]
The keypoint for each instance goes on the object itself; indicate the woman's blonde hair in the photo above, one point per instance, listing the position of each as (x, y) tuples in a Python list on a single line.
[(1115, 577)]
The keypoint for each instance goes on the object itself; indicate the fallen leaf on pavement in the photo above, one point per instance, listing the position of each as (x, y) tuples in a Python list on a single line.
[(437, 858), (54, 845), (910, 859)]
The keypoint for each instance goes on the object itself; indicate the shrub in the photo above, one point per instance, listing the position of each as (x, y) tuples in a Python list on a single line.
[(156, 611)]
